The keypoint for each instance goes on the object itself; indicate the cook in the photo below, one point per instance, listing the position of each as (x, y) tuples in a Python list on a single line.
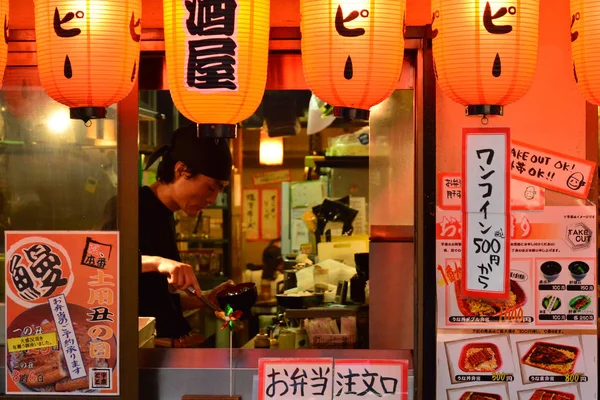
[(190, 176)]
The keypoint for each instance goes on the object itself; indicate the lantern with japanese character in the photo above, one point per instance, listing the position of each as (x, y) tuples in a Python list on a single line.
[(88, 52), (217, 53), (352, 51), (585, 45), (485, 52)]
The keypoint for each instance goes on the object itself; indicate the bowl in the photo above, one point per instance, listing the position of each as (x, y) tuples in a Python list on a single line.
[(551, 270), (240, 297), (579, 270)]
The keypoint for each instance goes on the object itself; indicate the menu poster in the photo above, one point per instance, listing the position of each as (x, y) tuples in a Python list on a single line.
[(62, 312), (542, 342), (517, 366)]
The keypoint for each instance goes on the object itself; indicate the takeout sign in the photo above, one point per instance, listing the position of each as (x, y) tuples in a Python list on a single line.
[(551, 170)]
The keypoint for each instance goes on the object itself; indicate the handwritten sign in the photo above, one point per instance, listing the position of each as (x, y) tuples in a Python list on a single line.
[(62, 312), (370, 379), (295, 378), (251, 213), (523, 195), (552, 170), (271, 177), (320, 378), (486, 212), (270, 214)]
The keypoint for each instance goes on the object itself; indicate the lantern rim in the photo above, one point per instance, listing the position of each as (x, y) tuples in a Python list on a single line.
[(87, 113), (226, 131), (348, 113), (484, 109)]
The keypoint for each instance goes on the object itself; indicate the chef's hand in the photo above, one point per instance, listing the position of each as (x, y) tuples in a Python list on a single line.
[(179, 275), (212, 295)]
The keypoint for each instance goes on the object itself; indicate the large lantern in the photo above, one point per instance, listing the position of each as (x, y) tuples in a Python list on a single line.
[(217, 53), (88, 52), (585, 47), (485, 52), (352, 50)]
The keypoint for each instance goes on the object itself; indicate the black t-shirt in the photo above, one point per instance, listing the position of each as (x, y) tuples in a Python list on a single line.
[(157, 238)]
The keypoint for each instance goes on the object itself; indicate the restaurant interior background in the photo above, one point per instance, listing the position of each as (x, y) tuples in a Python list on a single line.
[(56, 174)]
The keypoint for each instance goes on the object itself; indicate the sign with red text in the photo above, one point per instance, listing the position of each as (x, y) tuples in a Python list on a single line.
[(486, 212), (554, 171), (523, 195), (62, 312)]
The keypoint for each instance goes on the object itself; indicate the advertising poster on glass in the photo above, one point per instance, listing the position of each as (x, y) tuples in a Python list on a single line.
[(62, 312), (542, 341)]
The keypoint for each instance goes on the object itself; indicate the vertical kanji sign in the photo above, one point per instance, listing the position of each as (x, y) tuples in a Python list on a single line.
[(486, 213), (62, 312), (211, 45)]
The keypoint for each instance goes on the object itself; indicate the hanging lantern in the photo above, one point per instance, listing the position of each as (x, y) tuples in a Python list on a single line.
[(217, 53), (271, 149), (352, 51), (585, 44), (485, 52), (4, 43), (88, 52)]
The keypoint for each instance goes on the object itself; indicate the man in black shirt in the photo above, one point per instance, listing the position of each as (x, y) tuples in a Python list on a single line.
[(191, 174)]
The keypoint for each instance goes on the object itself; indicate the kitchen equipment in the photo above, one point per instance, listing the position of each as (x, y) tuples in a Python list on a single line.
[(287, 339), (289, 281), (343, 250), (299, 302)]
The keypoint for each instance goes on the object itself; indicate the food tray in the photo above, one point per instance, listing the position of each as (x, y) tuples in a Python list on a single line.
[(538, 394), (463, 356), (332, 341), (490, 396), (514, 287), (556, 346)]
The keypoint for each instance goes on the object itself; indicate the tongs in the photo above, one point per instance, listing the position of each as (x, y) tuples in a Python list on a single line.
[(237, 324)]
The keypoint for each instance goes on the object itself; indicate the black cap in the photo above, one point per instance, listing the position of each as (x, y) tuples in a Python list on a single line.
[(202, 155)]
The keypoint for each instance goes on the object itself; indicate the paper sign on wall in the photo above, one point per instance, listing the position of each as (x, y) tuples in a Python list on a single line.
[(62, 312), (552, 170), (271, 177), (523, 195), (486, 212), (270, 214), (251, 213)]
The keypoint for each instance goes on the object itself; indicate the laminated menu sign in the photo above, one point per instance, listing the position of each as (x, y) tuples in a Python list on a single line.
[(542, 342), (62, 312)]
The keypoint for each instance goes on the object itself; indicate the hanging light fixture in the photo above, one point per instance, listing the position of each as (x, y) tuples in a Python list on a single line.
[(271, 149), (217, 60), (585, 45), (88, 52), (485, 52), (352, 51)]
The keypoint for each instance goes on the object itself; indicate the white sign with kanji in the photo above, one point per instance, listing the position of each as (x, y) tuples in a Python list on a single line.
[(295, 379), (486, 212), (370, 379)]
